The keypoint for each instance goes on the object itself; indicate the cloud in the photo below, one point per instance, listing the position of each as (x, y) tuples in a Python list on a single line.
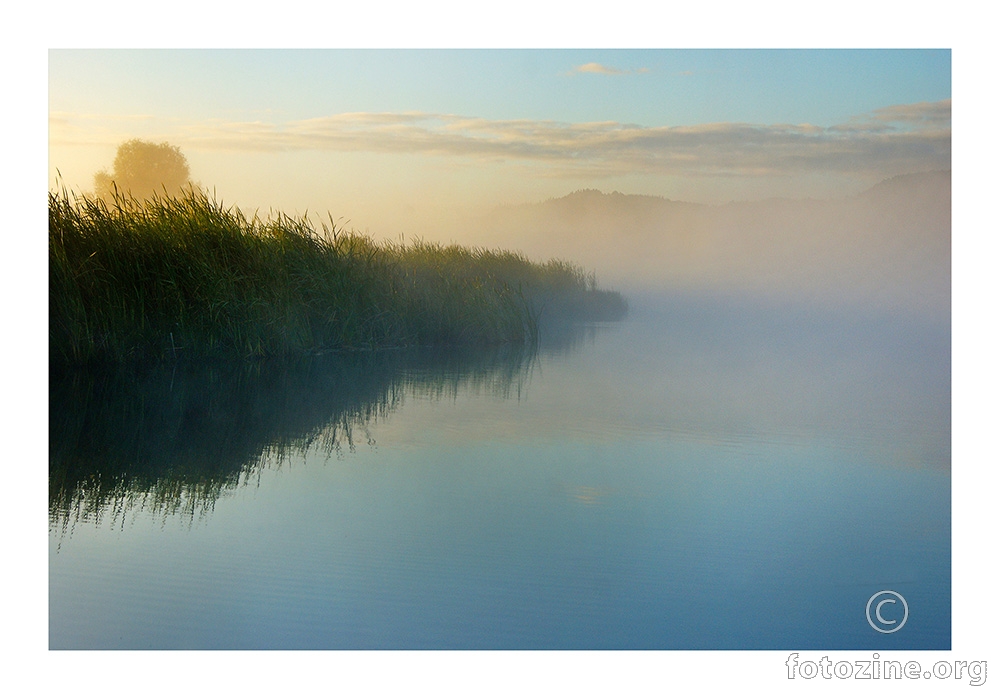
[(930, 113), (919, 115), (605, 70), (874, 144)]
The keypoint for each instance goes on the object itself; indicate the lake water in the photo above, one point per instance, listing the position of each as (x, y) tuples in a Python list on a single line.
[(702, 475)]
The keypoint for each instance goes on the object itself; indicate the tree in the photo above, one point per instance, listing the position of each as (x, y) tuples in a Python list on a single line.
[(142, 169)]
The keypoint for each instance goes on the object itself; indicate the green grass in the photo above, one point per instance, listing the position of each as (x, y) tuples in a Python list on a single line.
[(169, 276)]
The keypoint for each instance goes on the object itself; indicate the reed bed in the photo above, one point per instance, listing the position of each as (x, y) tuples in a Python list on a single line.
[(185, 275)]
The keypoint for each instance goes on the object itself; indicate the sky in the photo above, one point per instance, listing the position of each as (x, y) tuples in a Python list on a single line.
[(409, 141)]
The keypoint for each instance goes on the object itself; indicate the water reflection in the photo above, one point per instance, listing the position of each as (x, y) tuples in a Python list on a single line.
[(767, 467), (171, 438)]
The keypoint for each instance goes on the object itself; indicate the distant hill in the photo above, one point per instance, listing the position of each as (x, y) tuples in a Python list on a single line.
[(888, 247), (934, 184)]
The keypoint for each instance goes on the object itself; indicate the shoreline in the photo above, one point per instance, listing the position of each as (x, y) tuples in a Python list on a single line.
[(136, 279)]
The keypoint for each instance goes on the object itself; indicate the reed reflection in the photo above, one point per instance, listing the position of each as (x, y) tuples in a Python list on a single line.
[(172, 438)]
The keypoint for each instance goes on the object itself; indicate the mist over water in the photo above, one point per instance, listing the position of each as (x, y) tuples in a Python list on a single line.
[(887, 249), (705, 453)]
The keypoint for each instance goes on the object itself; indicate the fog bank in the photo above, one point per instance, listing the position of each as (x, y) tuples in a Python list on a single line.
[(886, 249)]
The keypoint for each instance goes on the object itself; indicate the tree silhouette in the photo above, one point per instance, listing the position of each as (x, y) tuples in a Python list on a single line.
[(142, 169)]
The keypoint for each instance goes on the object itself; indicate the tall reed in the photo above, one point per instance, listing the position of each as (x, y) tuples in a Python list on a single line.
[(187, 275)]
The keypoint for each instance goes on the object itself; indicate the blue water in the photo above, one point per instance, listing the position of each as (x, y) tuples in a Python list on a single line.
[(703, 475)]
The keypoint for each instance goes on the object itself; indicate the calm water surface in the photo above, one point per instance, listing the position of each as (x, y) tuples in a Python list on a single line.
[(701, 475)]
